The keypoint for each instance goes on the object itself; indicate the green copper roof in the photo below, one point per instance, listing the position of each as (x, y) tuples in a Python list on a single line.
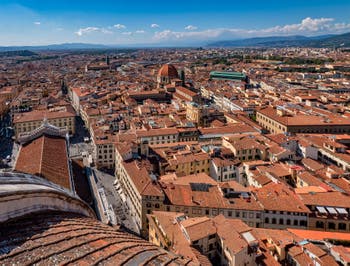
[(227, 75)]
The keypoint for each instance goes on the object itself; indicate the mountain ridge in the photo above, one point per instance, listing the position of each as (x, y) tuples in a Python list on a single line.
[(321, 41)]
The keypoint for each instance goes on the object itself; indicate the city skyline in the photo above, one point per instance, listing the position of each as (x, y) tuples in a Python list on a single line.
[(156, 23), (175, 133)]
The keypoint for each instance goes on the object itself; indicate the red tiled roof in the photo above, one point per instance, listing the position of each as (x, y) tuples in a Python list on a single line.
[(70, 239), (279, 197), (319, 235), (168, 70), (38, 115), (47, 157)]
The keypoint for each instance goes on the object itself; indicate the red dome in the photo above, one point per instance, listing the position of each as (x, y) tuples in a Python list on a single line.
[(168, 70)]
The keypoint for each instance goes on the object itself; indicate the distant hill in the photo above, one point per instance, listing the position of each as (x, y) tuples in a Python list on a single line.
[(17, 53), (342, 40), (63, 46), (288, 41)]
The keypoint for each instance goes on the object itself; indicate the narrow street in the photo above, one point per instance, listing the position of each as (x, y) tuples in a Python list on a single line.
[(121, 211)]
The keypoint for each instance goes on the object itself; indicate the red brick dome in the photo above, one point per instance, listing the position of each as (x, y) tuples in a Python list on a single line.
[(168, 70)]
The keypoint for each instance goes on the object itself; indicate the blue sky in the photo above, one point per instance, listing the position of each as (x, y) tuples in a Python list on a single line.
[(33, 22)]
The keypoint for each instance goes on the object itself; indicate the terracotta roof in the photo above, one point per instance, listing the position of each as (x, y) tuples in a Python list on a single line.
[(47, 157), (309, 179), (184, 195), (331, 199), (341, 183), (141, 178), (71, 239), (39, 115), (303, 259), (186, 180), (180, 244), (156, 132), (343, 252), (312, 164), (315, 250), (230, 231), (185, 91), (302, 119), (168, 70), (279, 197), (228, 130), (199, 227)]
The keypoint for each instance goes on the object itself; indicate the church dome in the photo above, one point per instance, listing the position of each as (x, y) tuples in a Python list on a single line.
[(168, 70), (42, 223)]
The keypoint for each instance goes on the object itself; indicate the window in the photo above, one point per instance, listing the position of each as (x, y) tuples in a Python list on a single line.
[(331, 225), (207, 212), (229, 213), (238, 214), (288, 222), (281, 221), (342, 226), (273, 221), (303, 223), (157, 205), (267, 220), (296, 222)]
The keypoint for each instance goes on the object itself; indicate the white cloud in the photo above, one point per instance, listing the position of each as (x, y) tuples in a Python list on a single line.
[(87, 30), (127, 33), (119, 26), (106, 31), (154, 25), (140, 31), (37, 23), (308, 26), (191, 27)]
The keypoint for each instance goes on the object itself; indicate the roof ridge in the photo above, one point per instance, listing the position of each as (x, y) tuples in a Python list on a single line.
[(42, 154)]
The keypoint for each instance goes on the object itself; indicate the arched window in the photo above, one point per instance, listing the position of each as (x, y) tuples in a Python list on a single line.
[(267, 220), (273, 220), (281, 221), (288, 222)]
